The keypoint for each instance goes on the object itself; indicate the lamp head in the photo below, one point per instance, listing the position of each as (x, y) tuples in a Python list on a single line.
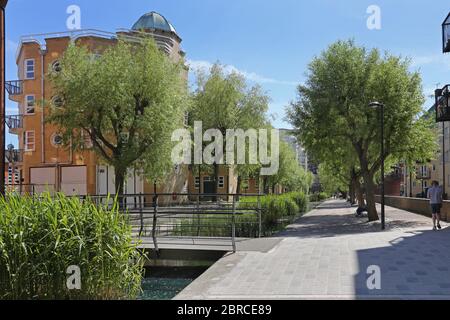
[(3, 3), (375, 105)]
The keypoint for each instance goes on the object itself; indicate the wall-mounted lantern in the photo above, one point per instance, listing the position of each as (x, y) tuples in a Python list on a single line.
[(443, 104), (446, 34)]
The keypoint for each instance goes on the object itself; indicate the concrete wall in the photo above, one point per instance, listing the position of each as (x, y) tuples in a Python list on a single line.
[(416, 205)]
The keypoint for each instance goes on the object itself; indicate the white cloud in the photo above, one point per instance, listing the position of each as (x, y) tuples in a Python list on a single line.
[(11, 110), (204, 66), (11, 46), (439, 59)]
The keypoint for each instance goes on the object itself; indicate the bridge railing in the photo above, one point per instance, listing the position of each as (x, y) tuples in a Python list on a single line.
[(182, 219)]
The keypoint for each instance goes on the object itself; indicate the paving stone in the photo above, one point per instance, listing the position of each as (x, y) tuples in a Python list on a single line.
[(328, 251)]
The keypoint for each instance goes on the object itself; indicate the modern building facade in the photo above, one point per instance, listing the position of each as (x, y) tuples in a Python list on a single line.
[(302, 157)]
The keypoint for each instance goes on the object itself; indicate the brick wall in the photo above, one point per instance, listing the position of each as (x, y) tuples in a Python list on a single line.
[(416, 205)]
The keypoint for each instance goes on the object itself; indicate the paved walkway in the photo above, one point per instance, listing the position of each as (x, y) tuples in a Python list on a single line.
[(326, 254)]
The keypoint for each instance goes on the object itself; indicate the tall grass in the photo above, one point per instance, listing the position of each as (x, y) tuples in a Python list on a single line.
[(41, 237)]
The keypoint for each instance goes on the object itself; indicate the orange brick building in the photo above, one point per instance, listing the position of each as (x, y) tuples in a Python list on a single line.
[(42, 160)]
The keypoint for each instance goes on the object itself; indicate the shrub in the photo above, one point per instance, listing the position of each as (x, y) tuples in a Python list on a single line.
[(41, 237), (276, 211), (317, 197), (300, 199), (275, 208)]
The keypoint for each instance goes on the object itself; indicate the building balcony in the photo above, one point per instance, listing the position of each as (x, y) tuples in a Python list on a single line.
[(14, 88), (14, 156), (14, 123)]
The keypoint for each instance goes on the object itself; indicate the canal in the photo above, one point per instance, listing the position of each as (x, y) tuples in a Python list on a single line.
[(164, 283)]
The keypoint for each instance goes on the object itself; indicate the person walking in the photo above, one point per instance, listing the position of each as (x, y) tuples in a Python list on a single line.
[(435, 196)]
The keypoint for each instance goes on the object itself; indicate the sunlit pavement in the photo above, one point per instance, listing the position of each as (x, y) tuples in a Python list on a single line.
[(327, 255)]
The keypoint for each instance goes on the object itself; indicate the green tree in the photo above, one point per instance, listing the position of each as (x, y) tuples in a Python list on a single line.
[(333, 105), (224, 102), (290, 174), (127, 101)]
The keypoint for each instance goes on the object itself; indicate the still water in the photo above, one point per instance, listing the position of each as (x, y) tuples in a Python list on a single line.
[(164, 283)]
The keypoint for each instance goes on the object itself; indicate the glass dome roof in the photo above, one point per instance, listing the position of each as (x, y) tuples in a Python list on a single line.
[(153, 20)]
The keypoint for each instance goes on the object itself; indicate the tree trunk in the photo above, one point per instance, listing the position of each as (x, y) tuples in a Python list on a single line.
[(120, 184), (351, 192), (238, 187), (265, 186), (359, 194), (216, 180), (370, 196)]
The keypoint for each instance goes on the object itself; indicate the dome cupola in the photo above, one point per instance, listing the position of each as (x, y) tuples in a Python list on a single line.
[(153, 21)]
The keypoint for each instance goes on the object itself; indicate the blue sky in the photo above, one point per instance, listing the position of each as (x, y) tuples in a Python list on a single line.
[(269, 42)]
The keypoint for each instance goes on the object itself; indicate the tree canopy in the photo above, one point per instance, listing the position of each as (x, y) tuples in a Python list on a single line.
[(128, 101), (332, 109)]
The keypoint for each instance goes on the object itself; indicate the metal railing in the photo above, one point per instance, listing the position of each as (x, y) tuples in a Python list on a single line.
[(14, 122), (27, 189), (186, 220), (14, 155), (14, 87)]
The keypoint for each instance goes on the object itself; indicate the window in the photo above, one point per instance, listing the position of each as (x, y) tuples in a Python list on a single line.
[(425, 184), (206, 179), (197, 183), (29, 69), (186, 118), (221, 182), (57, 102), (56, 66), (29, 141), (56, 140), (87, 141), (30, 103)]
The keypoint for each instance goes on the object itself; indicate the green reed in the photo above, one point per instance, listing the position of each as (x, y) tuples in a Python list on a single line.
[(40, 237)]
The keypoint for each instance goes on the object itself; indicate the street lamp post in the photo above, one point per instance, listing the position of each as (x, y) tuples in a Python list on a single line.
[(378, 105), (3, 4)]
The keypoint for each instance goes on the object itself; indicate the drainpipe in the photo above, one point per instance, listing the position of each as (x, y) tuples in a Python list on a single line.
[(43, 52)]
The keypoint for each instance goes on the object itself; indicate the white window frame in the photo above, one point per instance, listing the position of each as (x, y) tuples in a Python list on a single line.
[(186, 118), (221, 182), (56, 64), (27, 107), (197, 183), (25, 75), (53, 138), (27, 142)]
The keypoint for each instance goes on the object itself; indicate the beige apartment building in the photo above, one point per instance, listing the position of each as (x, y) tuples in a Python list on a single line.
[(420, 177)]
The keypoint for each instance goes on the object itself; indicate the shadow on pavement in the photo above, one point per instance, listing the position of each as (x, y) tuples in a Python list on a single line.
[(416, 266), (335, 218)]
